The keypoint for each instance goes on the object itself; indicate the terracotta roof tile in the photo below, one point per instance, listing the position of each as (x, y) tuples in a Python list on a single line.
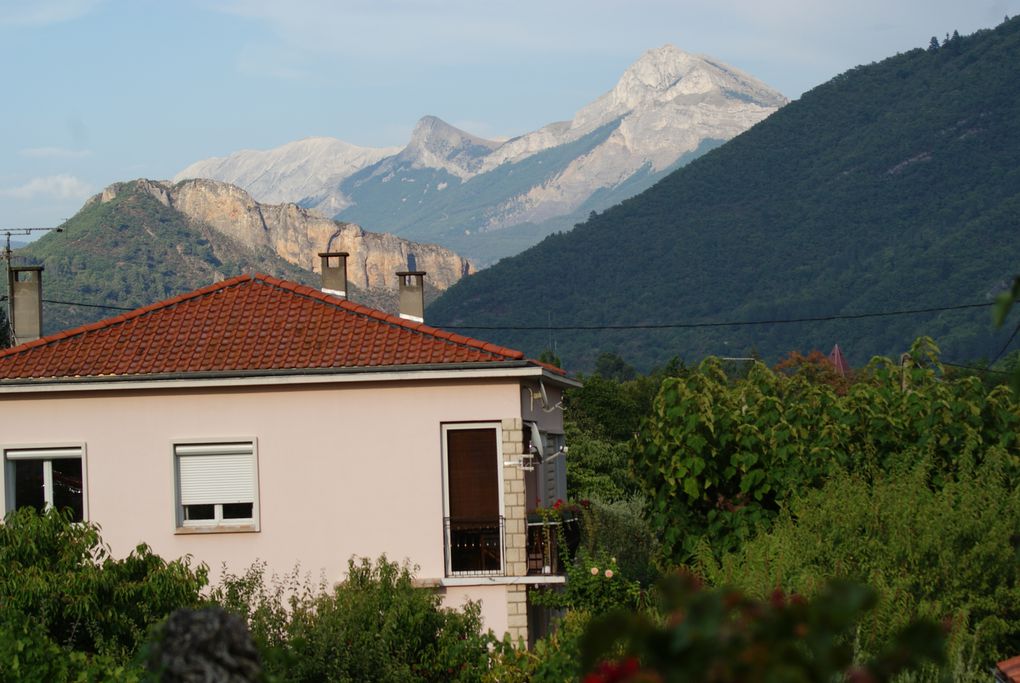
[(247, 323)]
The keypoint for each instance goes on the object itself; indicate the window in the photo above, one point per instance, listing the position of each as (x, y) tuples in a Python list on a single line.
[(45, 478), (217, 486), (473, 501)]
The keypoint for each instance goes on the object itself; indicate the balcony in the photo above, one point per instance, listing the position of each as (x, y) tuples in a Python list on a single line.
[(474, 547), (545, 545)]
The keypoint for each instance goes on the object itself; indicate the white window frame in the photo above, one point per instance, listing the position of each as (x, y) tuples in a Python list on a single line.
[(497, 427), (218, 524), (47, 453)]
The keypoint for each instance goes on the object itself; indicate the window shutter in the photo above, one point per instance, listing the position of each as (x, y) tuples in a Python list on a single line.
[(473, 478), (216, 473), (44, 453)]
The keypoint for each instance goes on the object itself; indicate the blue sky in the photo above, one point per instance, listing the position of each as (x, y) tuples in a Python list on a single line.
[(98, 91)]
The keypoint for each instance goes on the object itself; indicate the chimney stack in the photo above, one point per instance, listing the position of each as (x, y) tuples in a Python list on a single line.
[(24, 286), (334, 273), (412, 295)]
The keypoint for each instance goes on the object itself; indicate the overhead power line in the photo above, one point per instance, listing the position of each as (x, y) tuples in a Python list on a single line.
[(79, 303), (730, 323)]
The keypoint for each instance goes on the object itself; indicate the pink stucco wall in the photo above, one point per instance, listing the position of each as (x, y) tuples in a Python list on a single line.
[(344, 469)]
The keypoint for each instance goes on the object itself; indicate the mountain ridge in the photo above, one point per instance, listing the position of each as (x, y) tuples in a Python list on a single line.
[(893, 186), (665, 108)]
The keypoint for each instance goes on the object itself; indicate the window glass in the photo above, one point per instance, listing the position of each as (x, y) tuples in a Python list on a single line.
[(29, 490), (67, 486)]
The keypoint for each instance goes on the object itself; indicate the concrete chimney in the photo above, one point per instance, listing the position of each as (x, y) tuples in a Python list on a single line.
[(334, 273), (412, 295), (24, 286)]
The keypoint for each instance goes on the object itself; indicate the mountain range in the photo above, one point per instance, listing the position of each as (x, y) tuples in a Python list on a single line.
[(142, 241), (487, 198), (893, 187)]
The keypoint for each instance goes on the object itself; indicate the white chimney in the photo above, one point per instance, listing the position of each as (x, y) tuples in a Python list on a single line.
[(412, 295), (24, 286), (334, 273)]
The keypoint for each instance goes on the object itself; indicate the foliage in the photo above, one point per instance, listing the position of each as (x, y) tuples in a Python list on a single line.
[(553, 659), (595, 584), (814, 367), (717, 459), (721, 636), (375, 625), (889, 187), (5, 327), (946, 553), (619, 530), (62, 592), (598, 467)]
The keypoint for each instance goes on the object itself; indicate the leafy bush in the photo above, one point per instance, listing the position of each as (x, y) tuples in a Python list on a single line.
[(721, 636), (67, 606), (594, 584), (717, 459), (948, 554), (553, 659), (619, 530), (376, 625)]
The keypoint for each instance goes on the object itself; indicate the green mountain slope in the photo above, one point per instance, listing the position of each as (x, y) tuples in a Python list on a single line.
[(132, 251), (893, 186)]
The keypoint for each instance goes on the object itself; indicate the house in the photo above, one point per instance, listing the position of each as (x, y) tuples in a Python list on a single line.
[(258, 419)]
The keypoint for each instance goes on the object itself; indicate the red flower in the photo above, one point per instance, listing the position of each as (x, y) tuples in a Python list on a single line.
[(558, 504), (613, 672)]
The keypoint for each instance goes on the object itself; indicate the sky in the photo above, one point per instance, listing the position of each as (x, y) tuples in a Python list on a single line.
[(101, 91)]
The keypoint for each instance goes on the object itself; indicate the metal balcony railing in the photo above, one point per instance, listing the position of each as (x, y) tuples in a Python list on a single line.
[(474, 547), (543, 548)]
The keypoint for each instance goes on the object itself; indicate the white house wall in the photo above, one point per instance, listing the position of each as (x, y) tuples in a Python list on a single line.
[(342, 470)]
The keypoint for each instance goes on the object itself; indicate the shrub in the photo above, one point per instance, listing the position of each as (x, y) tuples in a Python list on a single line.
[(721, 636), (64, 599), (946, 553), (718, 460), (376, 625)]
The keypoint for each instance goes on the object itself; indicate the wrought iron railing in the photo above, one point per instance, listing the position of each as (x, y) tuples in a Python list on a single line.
[(474, 547), (543, 548)]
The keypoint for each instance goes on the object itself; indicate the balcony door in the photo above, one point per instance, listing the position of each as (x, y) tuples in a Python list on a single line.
[(473, 485)]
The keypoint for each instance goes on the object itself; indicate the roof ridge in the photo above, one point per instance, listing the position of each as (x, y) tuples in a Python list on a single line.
[(367, 311), (124, 317)]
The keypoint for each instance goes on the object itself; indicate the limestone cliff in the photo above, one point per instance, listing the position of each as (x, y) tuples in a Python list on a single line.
[(298, 236)]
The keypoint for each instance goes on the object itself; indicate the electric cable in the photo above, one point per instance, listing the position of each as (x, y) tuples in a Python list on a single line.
[(732, 323)]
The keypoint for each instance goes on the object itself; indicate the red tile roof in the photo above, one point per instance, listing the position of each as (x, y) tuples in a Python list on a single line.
[(1009, 670), (245, 324)]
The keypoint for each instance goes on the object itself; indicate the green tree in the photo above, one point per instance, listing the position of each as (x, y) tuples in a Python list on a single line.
[(722, 636), (375, 625), (945, 553), (62, 590), (717, 459)]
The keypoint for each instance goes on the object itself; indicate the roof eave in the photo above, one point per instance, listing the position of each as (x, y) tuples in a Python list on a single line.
[(489, 369)]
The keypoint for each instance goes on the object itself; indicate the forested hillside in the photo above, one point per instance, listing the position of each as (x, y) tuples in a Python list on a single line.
[(893, 186)]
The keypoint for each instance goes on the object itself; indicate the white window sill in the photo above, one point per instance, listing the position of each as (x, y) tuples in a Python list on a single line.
[(216, 529), (537, 579)]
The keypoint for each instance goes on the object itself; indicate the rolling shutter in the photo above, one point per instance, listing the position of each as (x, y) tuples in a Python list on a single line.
[(216, 473), (473, 478), (44, 453)]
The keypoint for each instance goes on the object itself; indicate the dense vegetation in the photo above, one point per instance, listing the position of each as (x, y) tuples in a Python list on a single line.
[(133, 251), (893, 186), (737, 523)]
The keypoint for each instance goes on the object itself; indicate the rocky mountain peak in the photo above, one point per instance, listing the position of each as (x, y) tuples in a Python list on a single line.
[(667, 73), (436, 144), (660, 68)]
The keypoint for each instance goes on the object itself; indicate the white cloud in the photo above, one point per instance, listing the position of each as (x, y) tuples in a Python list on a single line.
[(43, 12), (61, 186), (54, 153)]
